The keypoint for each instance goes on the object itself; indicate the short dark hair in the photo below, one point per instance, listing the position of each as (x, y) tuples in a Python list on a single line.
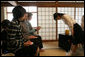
[(30, 14), (57, 14), (18, 12), (5, 23)]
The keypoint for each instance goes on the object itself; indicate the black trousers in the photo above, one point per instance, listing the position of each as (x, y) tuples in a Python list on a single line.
[(27, 51), (4, 46), (38, 41), (77, 37)]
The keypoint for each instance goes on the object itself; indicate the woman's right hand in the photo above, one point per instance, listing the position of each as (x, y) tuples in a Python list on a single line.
[(28, 43), (38, 28), (32, 37)]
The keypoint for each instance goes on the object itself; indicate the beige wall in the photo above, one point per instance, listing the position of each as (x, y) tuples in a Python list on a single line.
[(2, 13)]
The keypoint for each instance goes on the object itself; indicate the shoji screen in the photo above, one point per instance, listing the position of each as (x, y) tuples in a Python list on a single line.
[(79, 14), (45, 20)]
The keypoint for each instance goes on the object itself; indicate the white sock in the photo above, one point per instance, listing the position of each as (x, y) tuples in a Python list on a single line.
[(67, 53), (70, 52)]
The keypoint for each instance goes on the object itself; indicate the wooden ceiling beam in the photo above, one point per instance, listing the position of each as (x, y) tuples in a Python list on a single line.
[(47, 4), (70, 4)]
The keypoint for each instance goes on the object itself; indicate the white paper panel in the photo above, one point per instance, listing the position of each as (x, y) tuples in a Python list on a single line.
[(45, 17)]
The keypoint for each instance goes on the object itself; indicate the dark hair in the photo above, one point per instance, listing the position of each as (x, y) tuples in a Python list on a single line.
[(57, 14), (18, 12), (5, 23), (29, 14)]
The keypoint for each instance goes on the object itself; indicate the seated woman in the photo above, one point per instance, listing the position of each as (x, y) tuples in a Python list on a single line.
[(32, 31), (28, 33)]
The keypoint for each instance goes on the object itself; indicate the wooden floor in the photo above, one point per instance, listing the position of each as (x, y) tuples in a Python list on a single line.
[(52, 49), (53, 52), (49, 45)]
